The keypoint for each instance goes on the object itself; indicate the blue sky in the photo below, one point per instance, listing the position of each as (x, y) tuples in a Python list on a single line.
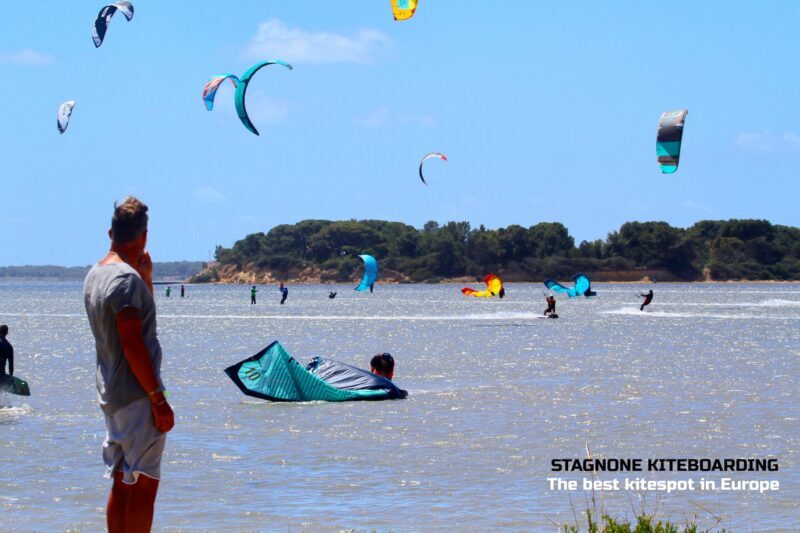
[(546, 110)]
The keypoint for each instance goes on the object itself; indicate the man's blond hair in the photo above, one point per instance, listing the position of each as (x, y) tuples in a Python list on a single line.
[(129, 220)]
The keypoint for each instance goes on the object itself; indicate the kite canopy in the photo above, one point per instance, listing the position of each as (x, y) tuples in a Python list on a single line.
[(494, 287), (668, 142), (582, 287), (210, 89), (64, 112), (428, 156), (370, 272), (104, 19), (241, 90), (272, 374), (404, 9)]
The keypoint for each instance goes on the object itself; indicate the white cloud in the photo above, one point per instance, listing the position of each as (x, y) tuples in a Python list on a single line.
[(209, 195), (275, 40), (768, 142), (25, 57), (696, 206), (383, 116)]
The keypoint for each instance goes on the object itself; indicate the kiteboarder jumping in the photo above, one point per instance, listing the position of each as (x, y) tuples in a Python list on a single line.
[(647, 299), (551, 305)]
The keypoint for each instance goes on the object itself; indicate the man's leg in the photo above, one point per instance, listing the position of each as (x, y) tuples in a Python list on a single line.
[(131, 507)]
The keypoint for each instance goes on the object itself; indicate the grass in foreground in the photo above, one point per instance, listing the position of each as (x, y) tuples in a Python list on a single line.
[(644, 524)]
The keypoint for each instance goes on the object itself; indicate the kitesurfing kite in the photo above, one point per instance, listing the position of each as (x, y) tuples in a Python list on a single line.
[(582, 287), (272, 374), (668, 143), (64, 112), (494, 287), (104, 19), (404, 9), (370, 273), (241, 90), (429, 156), (210, 89)]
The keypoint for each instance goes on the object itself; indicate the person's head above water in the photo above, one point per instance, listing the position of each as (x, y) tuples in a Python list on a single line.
[(383, 365), (129, 225), (3, 330)]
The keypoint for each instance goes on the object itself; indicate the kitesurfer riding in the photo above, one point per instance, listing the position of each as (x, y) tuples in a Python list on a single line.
[(6, 353), (284, 292), (647, 299), (551, 305), (382, 365)]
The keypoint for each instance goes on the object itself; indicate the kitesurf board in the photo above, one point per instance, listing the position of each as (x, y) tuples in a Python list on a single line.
[(552, 315), (14, 385)]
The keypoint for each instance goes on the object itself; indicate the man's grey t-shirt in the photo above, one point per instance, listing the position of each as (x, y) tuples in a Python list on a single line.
[(107, 290)]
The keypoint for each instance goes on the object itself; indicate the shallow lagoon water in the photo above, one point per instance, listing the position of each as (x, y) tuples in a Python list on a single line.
[(495, 393)]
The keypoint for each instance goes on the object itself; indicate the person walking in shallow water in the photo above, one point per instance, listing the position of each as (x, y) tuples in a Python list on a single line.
[(253, 292), (168, 291), (647, 299), (183, 291), (285, 292), (118, 296)]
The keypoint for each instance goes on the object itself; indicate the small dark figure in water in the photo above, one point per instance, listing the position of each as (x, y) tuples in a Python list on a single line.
[(253, 292), (371, 287), (285, 292), (6, 353), (183, 291), (551, 305), (331, 295), (502, 292), (169, 290), (383, 365), (647, 299)]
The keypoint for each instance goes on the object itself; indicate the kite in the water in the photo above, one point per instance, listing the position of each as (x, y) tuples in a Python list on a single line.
[(210, 89), (668, 143), (241, 90), (494, 287), (582, 287), (272, 374), (404, 9), (104, 19), (370, 273), (429, 156), (64, 112)]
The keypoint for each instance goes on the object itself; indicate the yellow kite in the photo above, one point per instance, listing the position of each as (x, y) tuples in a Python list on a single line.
[(404, 9), (494, 287)]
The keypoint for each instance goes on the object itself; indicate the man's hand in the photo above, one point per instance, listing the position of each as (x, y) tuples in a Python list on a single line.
[(163, 417), (144, 266)]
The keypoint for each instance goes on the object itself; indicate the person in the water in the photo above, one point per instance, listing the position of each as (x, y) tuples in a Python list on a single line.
[(332, 295), (168, 291), (382, 365), (285, 292), (372, 286), (647, 299), (253, 292), (551, 305), (6, 353), (183, 291)]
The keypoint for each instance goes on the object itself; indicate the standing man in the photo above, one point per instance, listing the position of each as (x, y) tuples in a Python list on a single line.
[(118, 295), (183, 290), (253, 292), (6, 353), (284, 293), (169, 290)]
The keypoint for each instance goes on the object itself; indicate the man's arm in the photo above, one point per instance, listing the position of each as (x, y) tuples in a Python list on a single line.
[(10, 360), (129, 325)]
